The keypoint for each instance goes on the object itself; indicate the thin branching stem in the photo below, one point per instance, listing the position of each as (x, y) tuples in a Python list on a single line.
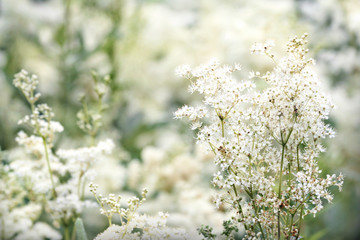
[(280, 178)]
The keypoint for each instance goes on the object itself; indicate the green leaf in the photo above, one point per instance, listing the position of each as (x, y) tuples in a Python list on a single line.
[(80, 230), (206, 232)]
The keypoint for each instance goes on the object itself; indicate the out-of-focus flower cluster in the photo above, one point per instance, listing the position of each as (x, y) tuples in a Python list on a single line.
[(178, 182), (133, 225), (18, 220), (56, 179)]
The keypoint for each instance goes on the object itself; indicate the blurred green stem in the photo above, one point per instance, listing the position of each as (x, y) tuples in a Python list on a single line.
[(79, 184), (67, 17), (2, 228), (49, 167), (66, 233)]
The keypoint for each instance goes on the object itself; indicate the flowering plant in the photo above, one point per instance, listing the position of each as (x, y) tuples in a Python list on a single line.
[(266, 142), (133, 225), (53, 179), (56, 180)]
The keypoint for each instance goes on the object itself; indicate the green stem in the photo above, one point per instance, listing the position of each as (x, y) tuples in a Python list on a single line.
[(252, 197), (67, 16), (222, 128), (92, 139), (127, 224), (273, 135), (250, 167), (288, 136), (300, 219), (212, 148), (290, 176), (83, 190), (235, 191), (278, 227), (79, 184), (121, 219), (291, 223), (297, 157), (100, 107), (239, 205), (49, 167), (289, 185), (279, 192), (66, 233), (262, 232), (257, 216), (2, 228), (281, 169), (272, 57), (73, 234)]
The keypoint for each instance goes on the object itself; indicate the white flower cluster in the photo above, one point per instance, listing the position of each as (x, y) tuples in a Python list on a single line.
[(41, 117), (162, 170), (27, 84), (176, 178), (81, 159), (76, 162), (16, 218), (89, 119), (133, 225), (263, 48), (58, 178), (33, 144), (143, 227), (114, 206), (266, 142)]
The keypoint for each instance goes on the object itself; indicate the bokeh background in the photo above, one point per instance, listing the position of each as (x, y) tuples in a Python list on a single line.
[(139, 44)]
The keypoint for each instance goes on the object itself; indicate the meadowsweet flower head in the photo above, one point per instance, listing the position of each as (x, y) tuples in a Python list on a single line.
[(266, 143), (27, 84)]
